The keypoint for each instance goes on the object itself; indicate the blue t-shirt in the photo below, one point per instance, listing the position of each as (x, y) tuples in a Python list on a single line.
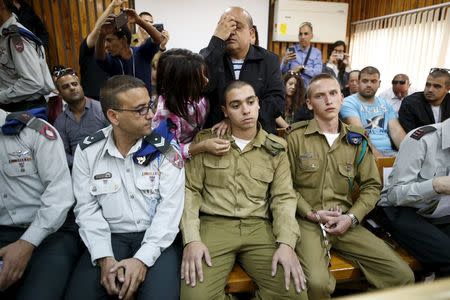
[(374, 117), (139, 65)]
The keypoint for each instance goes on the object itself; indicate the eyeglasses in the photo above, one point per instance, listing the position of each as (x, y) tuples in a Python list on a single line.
[(143, 111), (432, 70), (63, 72), (401, 82)]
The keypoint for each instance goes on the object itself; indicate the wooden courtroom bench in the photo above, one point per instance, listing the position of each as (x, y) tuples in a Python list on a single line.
[(342, 270)]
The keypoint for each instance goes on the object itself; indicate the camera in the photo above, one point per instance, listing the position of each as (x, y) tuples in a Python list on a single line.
[(121, 20), (291, 49), (339, 56), (159, 27)]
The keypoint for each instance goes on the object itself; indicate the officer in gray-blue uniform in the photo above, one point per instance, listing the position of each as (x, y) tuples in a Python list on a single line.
[(415, 200), (24, 74), (129, 201), (35, 196)]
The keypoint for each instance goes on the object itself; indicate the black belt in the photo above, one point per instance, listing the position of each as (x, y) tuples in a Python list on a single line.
[(24, 105)]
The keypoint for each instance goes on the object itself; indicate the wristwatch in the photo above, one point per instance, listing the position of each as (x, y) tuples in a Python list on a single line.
[(354, 220)]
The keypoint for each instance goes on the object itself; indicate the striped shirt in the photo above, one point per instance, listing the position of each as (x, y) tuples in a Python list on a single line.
[(237, 66)]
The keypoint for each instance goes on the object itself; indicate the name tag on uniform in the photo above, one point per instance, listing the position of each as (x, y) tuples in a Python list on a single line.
[(106, 175)]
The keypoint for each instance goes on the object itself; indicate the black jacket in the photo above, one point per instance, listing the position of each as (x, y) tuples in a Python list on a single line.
[(415, 111), (260, 69)]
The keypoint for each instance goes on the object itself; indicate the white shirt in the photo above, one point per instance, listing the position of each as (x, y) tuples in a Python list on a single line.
[(331, 137), (436, 113), (394, 100), (35, 184), (240, 142), (237, 66), (115, 195)]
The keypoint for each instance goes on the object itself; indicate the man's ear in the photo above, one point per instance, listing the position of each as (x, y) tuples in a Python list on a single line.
[(224, 110), (112, 117), (308, 103)]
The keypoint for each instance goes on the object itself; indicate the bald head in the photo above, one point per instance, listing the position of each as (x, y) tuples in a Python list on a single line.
[(239, 10)]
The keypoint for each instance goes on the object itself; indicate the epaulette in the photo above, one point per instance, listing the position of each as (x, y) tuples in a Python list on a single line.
[(159, 142), (356, 135), (16, 33), (274, 144), (420, 132), (298, 125), (16, 121), (92, 139)]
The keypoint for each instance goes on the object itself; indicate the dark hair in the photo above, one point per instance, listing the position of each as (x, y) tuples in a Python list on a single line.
[(341, 66), (353, 71), (180, 79), (9, 5), (123, 32), (145, 13), (317, 78), (115, 85), (437, 73), (335, 45), (300, 91), (369, 70), (236, 84), (256, 35)]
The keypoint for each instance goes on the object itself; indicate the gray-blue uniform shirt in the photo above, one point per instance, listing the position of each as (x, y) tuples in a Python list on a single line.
[(35, 184), (116, 195), (418, 162), (24, 74)]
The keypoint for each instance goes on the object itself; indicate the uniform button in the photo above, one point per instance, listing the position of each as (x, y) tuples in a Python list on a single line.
[(132, 196), (22, 170), (5, 196), (139, 221), (128, 170), (13, 212)]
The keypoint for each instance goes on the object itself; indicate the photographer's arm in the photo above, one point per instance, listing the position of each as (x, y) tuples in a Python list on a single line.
[(93, 35)]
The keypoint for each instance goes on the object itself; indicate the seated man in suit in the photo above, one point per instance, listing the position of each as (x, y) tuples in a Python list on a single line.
[(430, 106)]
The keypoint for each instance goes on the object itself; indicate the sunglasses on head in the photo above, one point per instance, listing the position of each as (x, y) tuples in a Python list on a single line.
[(401, 82), (432, 70), (63, 72)]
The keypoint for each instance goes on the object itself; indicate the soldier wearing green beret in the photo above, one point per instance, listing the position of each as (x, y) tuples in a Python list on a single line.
[(328, 158)]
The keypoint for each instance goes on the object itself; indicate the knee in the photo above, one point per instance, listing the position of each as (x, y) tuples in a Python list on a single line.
[(320, 285), (199, 292), (403, 275)]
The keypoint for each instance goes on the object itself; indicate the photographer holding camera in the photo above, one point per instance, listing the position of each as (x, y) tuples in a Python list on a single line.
[(303, 57), (114, 54), (338, 64)]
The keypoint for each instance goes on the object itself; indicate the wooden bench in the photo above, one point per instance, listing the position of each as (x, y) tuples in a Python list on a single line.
[(342, 270)]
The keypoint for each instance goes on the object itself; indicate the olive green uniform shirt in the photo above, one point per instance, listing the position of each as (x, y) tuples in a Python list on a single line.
[(253, 183), (325, 176)]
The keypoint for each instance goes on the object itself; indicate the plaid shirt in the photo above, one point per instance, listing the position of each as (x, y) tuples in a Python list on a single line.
[(186, 130)]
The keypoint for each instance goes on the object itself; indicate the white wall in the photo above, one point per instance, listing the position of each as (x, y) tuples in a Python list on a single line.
[(191, 23)]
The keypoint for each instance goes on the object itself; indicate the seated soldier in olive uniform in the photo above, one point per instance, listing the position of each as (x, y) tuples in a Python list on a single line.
[(229, 201), (327, 159)]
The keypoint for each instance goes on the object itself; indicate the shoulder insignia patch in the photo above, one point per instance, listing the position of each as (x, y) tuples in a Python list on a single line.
[(92, 139), (298, 125), (420, 132), (356, 135), (274, 144)]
